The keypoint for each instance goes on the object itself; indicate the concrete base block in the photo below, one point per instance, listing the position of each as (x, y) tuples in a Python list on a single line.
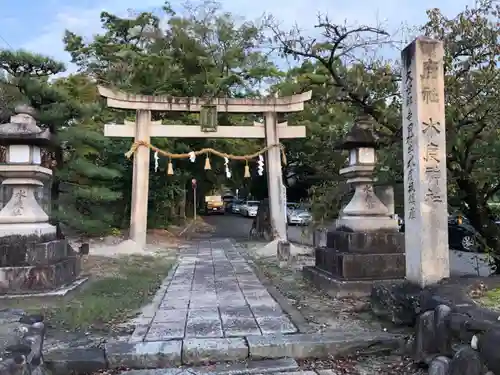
[(64, 291), (337, 288), (362, 256), (275, 367), (301, 346), (75, 361), (284, 250), (144, 354), (367, 223), (196, 350)]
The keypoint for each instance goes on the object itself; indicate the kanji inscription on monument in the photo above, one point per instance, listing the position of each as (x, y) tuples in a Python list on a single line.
[(424, 145)]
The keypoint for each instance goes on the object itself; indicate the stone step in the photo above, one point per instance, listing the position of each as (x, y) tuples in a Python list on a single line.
[(273, 366), (198, 351), (252, 351)]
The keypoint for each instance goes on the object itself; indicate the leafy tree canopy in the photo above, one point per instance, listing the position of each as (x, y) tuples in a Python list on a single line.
[(203, 51)]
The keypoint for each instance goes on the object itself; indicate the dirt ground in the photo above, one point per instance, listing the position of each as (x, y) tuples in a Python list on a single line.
[(327, 314), (320, 310)]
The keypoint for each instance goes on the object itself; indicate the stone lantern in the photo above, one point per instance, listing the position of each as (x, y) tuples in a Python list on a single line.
[(365, 211), (32, 258), (364, 244), (22, 214)]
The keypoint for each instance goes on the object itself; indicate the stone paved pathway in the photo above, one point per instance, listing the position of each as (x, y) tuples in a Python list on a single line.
[(213, 294)]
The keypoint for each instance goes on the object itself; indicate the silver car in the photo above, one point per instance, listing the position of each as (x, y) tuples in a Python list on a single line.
[(249, 209), (299, 216)]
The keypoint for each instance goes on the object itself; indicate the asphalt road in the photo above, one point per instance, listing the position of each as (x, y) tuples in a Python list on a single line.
[(238, 227)]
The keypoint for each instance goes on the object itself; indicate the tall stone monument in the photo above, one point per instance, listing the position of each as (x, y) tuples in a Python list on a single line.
[(365, 244), (32, 258), (424, 142)]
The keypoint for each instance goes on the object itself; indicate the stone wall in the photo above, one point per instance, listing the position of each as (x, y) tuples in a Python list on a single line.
[(21, 343), (454, 335)]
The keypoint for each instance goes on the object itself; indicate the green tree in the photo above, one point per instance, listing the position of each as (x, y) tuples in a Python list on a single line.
[(471, 79), (206, 53), (91, 171), (314, 162), (79, 183)]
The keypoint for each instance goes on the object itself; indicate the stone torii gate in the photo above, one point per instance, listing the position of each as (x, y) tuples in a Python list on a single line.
[(143, 129)]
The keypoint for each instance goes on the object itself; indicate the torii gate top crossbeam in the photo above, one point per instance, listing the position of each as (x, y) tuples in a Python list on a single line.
[(123, 100)]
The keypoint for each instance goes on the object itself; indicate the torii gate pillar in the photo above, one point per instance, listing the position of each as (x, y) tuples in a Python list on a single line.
[(275, 178), (140, 180)]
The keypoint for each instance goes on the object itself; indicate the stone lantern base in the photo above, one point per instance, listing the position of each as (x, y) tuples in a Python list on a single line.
[(36, 263), (352, 261), (367, 224), (32, 258)]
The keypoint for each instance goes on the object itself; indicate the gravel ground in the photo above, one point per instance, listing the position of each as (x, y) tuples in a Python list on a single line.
[(322, 312), (327, 314), (373, 365)]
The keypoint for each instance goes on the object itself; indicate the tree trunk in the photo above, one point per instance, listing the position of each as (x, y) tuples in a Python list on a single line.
[(482, 220), (261, 226)]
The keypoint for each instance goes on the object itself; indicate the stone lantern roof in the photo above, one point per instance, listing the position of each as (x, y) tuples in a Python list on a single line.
[(360, 135), (22, 129)]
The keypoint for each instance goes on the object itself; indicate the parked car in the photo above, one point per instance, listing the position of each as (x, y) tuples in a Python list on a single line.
[(468, 254), (461, 235), (236, 206), (249, 208), (214, 204), (298, 216)]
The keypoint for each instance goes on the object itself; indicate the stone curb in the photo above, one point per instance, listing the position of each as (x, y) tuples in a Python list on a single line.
[(196, 351), (74, 361), (144, 355), (302, 346), (279, 366)]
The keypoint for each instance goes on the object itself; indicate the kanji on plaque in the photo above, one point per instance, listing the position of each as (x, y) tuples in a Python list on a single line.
[(431, 128), (430, 70), (430, 95), (432, 153)]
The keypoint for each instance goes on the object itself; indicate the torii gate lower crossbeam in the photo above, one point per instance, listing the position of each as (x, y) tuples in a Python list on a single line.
[(143, 129)]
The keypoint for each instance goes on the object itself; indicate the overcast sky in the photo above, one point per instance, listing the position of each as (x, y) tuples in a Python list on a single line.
[(39, 25)]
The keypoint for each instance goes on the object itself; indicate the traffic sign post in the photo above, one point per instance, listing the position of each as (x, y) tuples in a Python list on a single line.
[(193, 184), (284, 197)]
